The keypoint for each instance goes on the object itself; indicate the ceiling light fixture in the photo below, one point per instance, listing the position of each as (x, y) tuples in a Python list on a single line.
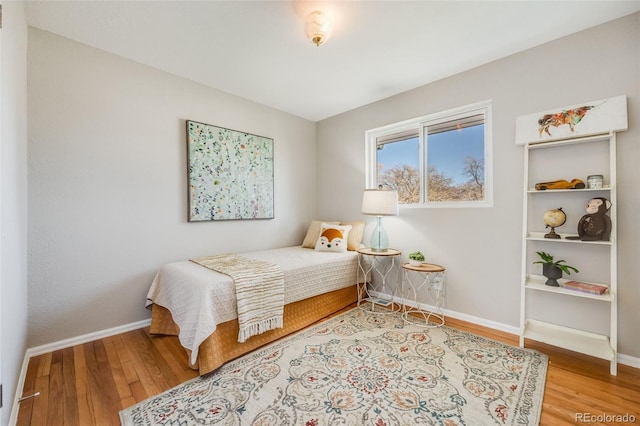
[(317, 27)]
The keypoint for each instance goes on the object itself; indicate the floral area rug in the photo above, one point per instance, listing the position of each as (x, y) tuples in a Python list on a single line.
[(362, 368)]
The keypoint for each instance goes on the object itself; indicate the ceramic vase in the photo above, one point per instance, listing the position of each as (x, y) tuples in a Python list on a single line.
[(552, 273)]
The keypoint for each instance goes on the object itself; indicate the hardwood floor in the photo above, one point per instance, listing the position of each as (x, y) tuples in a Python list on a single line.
[(89, 384)]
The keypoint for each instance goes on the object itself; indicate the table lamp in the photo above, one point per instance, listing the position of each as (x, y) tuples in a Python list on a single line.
[(380, 202)]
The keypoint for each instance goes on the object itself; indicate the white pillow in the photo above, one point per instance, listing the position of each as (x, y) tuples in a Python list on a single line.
[(314, 232), (333, 238)]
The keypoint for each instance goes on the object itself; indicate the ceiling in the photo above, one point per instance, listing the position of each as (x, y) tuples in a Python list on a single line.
[(257, 49)]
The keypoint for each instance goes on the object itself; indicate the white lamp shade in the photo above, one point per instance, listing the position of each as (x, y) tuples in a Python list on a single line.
[(380, 202)]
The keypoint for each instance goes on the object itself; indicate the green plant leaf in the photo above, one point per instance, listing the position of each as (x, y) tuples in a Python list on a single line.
[(548, 259)]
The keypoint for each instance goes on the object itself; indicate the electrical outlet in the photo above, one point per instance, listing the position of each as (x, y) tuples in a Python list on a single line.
[(437, 284)]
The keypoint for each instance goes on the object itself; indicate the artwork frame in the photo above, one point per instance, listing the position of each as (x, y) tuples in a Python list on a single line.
[(230, 174)]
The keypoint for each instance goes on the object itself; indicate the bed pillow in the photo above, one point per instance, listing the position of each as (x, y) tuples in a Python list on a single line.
[(333, 238), (314, 232), (355, 235)]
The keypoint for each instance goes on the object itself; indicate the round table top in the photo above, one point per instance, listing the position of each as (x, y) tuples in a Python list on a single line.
[(372, 252), (425, 267)]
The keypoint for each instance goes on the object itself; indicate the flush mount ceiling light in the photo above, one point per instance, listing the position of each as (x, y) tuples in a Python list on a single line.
[(317, 27)]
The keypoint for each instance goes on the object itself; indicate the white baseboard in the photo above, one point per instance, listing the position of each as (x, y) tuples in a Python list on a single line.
[(623, 359), (79, 340), (511, 329), (13, 417), (63, 344), (453, 314), (629, 360)]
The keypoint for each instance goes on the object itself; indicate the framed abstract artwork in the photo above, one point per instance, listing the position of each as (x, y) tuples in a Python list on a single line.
[(230, 174)]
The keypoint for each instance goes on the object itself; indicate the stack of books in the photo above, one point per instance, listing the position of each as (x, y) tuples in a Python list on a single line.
[(586, 287)]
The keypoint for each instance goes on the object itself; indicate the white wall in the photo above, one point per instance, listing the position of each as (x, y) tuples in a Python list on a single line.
[(481, 248), (13, 209), (108, 183)]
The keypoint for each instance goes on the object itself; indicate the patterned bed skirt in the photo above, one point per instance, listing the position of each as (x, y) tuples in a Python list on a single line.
[(223, 346)]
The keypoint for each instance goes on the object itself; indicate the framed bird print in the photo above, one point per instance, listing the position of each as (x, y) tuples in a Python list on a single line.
[(585, 119)]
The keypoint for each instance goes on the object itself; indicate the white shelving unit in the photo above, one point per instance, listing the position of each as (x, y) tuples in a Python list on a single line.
[(569, 158)]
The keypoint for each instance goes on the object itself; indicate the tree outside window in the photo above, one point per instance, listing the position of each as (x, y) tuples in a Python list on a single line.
[(437, 161)]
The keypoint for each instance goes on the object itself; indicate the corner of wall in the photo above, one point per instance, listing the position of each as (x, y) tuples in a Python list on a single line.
[(13, 208)]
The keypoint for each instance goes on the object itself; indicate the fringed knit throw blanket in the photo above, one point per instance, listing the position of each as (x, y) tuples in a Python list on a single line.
[(259, 291)]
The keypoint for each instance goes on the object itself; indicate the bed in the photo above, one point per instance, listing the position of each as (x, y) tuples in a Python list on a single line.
[(199, 305)]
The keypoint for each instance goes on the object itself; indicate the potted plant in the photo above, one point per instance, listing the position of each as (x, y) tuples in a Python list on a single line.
[(416, 258), (553, 269)]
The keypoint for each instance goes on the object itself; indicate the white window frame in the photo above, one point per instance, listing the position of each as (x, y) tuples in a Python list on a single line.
[(418, 124)]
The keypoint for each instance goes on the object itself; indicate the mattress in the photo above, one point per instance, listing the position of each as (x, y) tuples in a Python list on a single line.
[(199, 299)]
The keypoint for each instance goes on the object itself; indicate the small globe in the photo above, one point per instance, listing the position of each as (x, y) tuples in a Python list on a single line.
[(554, 218)]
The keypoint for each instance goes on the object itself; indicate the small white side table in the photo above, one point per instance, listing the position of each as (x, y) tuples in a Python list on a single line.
[(383, 264), (428, 279)]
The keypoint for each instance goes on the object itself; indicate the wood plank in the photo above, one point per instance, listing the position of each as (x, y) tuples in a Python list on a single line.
[(55, 414), (44, 366), (126, 362), (95, 395), (145, 379), (122, 386), (110, 397), (80, 366), (41, 402), (176, 357), (70, 396), (139, 392), (157, 366), (129, 371)]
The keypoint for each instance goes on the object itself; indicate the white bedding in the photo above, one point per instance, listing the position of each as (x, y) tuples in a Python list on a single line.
[(199, 298)]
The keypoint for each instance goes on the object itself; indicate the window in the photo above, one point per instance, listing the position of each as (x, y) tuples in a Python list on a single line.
[(440, 160)]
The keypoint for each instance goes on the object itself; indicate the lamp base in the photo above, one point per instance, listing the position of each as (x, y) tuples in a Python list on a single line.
[(379, 239), (382, 250)]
